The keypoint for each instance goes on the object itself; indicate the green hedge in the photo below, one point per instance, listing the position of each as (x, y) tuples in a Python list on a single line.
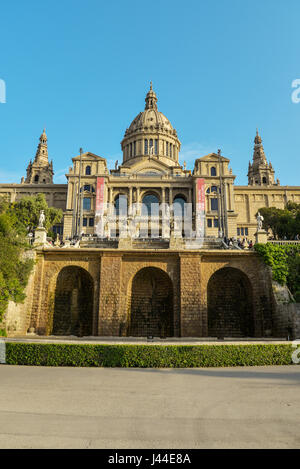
[(147, 356)]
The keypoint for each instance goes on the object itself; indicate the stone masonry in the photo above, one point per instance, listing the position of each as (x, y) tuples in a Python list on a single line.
[(117, 279)]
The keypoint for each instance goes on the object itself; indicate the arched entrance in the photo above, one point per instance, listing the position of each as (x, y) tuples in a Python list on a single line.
[(73, 302), (151, 304), (230, 304)]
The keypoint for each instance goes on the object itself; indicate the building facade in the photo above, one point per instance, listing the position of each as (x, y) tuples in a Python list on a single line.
[(131, 274), (150, 173)]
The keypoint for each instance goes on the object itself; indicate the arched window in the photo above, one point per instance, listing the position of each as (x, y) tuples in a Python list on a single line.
[(121, 205), (213, 171), (88, 170), (146, 147), (214, 189), (36, 178), (178, 206), (264, 180), (150, 205)]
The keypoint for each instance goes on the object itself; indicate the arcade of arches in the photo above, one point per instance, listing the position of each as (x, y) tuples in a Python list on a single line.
[(159, 294)]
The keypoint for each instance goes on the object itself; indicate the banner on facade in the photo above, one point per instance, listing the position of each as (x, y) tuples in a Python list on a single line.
[(200, 208), (99, 209)]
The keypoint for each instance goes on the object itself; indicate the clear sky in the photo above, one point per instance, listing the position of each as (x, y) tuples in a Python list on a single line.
[(82, 69)]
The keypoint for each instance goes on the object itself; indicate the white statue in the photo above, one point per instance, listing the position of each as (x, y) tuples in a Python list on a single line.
[(41, 219), (259, 219)]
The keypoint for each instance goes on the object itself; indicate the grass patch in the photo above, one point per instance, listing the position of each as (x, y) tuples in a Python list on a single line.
[(147, 356)]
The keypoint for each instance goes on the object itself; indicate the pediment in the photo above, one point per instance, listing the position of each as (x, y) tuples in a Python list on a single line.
[(88, 156), (150, 166), (213, 157)]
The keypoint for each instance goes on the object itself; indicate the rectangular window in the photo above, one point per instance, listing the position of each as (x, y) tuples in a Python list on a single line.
[(156, 146), (246, 231), (216, 223), (214, 205), (57, 229), (146, 147), (134, 148), (170, 150), (84, 222), (238, 231), (87, 203), (167, 148), (91, 221), (242, 231), (209, 223)]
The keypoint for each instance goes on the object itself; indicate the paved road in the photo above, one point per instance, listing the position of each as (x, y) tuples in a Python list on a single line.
[(134, 408)]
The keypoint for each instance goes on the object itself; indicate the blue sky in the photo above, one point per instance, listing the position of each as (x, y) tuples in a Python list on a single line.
[(82, 69)]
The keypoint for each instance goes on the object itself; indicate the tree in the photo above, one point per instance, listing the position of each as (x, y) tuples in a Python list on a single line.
[(282, 222), (26, 212), (16, 219)]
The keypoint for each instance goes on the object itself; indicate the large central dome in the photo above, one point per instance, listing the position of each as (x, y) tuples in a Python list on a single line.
[(150, 134)]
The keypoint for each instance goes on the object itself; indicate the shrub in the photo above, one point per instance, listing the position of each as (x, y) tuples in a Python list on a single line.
[(284, 262), (147, 356)]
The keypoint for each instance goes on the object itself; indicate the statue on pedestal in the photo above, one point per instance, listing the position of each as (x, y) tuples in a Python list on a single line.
[(259, 220), (41, 219)]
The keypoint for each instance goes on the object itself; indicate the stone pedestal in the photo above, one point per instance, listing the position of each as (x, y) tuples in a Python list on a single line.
[(125, 243), (40, 237), (176, 242), (261, 237)]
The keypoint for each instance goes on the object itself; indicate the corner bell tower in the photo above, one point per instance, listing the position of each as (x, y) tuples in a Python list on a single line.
[(260, 172), (40, 171)]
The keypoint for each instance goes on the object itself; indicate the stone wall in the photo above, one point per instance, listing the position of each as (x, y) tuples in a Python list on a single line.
[(17, 317), (286, 313), (120, 279)]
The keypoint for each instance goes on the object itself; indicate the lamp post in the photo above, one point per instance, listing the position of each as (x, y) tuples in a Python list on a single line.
[(79, 208), (223, 229)]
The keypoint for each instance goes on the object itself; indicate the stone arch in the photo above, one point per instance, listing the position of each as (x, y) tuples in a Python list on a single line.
[(121, 209), (150, 304), (153, 192), (230, 311), (179, 195), (73, 302)]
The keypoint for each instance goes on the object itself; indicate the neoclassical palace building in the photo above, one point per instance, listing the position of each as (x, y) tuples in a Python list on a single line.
[(150, 173), (122, 272)]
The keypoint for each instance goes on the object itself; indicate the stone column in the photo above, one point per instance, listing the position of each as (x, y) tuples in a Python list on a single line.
[(111, 320), (190, 296), (170, 196), (130, 201)]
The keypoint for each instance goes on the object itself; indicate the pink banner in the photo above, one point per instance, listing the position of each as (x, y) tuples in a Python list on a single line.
[(200, 208), (99, 209), (201, 194), (100, 196)]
